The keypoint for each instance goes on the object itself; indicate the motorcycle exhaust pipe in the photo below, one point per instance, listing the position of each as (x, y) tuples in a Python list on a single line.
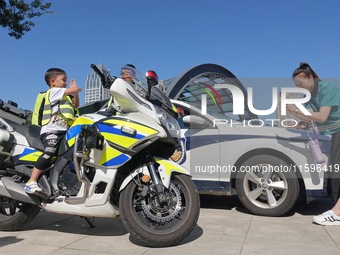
[(11, 189)]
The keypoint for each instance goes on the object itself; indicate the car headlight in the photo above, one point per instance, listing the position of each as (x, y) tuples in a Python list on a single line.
[(169, 122)]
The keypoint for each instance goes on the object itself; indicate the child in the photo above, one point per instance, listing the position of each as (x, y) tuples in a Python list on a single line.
[(59, 112)]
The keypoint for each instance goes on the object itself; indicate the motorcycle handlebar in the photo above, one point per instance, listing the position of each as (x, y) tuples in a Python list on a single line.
[(97, 71), (106, 80)]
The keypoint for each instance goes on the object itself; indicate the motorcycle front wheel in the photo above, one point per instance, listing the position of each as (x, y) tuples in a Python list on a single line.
[(14, 215), (160, 224)]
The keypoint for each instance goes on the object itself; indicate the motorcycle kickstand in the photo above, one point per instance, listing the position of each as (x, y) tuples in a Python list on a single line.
[(90, 222)]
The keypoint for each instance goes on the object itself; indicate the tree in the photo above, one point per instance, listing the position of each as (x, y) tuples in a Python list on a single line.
[(16, 15)]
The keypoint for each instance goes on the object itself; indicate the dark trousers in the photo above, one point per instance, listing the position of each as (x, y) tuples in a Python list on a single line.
[(51, 142), (334, 161)]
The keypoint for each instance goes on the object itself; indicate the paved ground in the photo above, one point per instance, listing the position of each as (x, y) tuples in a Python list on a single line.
[(224, 227)]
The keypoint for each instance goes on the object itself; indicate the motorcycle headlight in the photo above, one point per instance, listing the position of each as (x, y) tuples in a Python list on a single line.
[(169, 122)]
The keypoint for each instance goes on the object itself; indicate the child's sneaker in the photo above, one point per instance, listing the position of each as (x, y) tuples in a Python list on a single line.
[(327, 218), (32, 187)]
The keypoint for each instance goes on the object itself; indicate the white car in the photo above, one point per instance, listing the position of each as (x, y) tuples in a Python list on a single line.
[(268, 167)]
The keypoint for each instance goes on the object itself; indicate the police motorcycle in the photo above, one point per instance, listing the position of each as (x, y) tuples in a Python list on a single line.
[(108, 165)]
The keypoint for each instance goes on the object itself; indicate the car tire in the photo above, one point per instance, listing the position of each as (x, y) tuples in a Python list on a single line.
[(267, 186)]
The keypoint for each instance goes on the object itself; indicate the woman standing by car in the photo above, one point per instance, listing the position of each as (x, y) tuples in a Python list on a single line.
[(324, 107)]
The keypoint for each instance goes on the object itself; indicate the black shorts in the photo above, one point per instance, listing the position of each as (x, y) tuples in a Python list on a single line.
[(51, 142)]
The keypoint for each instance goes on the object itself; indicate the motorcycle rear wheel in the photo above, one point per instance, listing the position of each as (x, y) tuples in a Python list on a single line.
[(14, 215), (161, 226)]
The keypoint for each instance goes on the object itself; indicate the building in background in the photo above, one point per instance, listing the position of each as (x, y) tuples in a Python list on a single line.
[(94, 90)]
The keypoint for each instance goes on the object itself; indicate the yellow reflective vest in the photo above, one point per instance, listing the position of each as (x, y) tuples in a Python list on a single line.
[(65, 107)]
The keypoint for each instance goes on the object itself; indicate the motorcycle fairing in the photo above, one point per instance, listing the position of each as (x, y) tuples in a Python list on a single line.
[(113, 131), (166, 169), (28, 155), (110, 157), (76, 129)]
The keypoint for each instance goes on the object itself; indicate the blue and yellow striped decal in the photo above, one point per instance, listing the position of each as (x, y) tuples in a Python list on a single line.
[(112, 157), (111, 130), (30, 155), (76, 129)]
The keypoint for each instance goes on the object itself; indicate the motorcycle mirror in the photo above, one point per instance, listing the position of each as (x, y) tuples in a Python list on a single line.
[(152, 79)]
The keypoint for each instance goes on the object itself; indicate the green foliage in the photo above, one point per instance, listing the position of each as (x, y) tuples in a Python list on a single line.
[(16, 15)]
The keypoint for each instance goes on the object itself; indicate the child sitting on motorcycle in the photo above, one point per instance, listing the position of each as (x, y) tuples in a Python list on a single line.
[(59, 112)]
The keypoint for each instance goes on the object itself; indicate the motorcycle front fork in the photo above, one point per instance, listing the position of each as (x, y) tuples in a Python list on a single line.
[(158, 185)]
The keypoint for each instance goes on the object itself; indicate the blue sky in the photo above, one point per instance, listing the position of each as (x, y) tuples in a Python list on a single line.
[(252, 39)]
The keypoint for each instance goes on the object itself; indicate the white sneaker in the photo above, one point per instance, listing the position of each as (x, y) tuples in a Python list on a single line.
[(327, 218), (32, 188)]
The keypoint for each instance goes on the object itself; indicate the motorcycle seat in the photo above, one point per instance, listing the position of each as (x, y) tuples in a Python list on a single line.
[(31, 132)]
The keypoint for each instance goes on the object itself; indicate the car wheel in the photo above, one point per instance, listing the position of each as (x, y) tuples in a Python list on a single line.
[(267, 186)]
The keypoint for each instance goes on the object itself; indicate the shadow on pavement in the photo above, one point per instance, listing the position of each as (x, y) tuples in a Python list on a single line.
[(77, 225), (229, 202), (196, 233), (102, 227), (219, 202), (115, 227), (314, 207), (9, 240)]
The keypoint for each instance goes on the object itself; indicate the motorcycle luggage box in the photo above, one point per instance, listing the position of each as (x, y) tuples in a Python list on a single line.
[(6, 142)]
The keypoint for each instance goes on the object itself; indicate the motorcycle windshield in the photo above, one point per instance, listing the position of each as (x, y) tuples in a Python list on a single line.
[(157, 94), (140, 85)]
